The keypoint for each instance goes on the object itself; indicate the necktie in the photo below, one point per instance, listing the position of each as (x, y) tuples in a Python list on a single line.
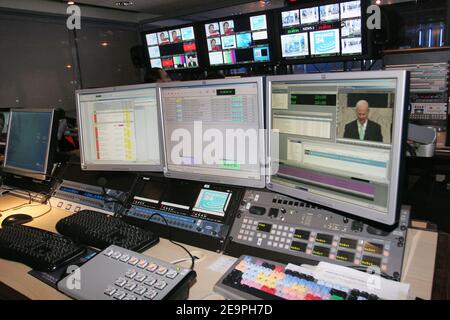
[(361, 133)]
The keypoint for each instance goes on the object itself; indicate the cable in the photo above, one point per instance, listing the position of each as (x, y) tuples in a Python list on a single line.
[(46, 212), (170, 238), (364, 269)]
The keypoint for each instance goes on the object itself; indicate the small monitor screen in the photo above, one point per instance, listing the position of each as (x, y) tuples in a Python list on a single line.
[(335, 141), (212, 133), (238, 40), (120, 129), (331, 30), (29, 139), (173, 49)]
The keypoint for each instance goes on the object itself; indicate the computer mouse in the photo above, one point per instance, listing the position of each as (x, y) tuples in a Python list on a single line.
[(17, 219)]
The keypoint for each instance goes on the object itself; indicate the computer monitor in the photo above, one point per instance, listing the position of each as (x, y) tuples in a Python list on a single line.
[(172, 49), (31, 143), (213, 131), (120, 129), (4, 122), (341, 140), (238, 40), (329, 30)]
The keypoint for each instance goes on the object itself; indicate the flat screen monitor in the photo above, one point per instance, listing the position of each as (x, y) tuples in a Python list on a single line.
[(120, 129), (4, 122), (31, 143), (172, 49), (238, 40), (340, 139), (331, 30), (213, 131)]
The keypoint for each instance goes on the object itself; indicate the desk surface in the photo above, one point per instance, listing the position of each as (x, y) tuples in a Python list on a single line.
[(418, 267)]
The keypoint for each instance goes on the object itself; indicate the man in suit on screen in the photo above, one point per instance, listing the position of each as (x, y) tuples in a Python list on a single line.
[(362, 128)]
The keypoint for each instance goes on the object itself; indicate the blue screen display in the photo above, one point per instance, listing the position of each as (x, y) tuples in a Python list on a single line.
[(28, 140)]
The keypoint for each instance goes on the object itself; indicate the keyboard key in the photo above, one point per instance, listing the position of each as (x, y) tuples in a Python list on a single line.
[(140, 277), (140, 290), (110, 291), (142, 264), (151, 294), (130, 286), (108, 252), (119, 295), (171, 274), (160, 285), (133, 261), (150, 281), (124, 258), (161, 271), (131, 273), (152, 267), (120, 282), (129, 297)]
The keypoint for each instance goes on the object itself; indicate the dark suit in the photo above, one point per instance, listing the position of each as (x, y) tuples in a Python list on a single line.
[(373, 131)]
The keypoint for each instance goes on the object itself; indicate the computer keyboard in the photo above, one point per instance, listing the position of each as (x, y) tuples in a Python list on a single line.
[(255, 278), (127, 275), (100, 230), (39, 249)]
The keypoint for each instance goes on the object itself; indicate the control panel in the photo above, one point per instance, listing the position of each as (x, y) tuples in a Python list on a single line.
[(289, 230), (85, 190), (196, 213)]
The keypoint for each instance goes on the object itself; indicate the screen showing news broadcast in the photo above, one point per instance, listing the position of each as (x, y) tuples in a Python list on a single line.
[(240, 40), (327, 30), (173, 49)]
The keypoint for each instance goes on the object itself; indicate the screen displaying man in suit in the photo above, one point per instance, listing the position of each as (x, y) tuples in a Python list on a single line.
[(362, 128)]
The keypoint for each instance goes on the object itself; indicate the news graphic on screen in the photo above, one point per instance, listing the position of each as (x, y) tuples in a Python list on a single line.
[(330, 30), (173, 49), (238, 40), (336, 143)]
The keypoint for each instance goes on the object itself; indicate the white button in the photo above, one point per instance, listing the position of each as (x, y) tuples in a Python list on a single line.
[(288, 241), (275, 244), (244, 238), (284, 234), (250, 221), (250, 239), (283, 239), (264, 236), (286, 247), (252, 233), (246, 232), (245, 220), (269, 243), (254, 228), (241, 231), (286, 228), (239, 236), (271, 238), (277, 238), (259, 242), (278, 233), (291, 230), (290, 235), (258, 235)]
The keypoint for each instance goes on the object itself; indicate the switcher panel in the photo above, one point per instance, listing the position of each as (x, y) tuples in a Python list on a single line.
[(281, 228)]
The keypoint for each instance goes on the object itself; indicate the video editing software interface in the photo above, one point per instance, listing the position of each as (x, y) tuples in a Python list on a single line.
[(238, 40), (120, 130), (335, 141), (212, 131), (173, 49), (329, 30), (29, 139)]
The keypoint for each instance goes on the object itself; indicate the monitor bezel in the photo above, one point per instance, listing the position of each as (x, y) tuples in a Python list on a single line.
[(398, 145), (51, 147), (118, 167), (260, 183), (201, 62)]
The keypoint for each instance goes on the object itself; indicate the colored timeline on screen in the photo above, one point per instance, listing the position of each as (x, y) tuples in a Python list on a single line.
[(240, 40), (172, 49), (322, 31)]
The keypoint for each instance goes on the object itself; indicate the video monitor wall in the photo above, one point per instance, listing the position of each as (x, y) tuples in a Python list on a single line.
[(173, 49), (238, 40), (319, 31)]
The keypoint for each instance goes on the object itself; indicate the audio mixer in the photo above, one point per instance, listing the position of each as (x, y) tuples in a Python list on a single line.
[(288, 230)]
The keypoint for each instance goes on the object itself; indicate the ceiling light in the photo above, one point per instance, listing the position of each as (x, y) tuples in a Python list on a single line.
[(70, 3)]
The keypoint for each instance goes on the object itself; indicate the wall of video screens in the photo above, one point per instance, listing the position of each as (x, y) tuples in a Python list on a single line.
[(306, 33), (240, 40), (328, 30), (173, 49)]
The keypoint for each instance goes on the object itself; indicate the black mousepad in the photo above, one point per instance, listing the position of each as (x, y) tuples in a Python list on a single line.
[(52, 278)]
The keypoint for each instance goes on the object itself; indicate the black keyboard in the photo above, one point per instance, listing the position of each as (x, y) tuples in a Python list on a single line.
[(99, 230), (39, 249)]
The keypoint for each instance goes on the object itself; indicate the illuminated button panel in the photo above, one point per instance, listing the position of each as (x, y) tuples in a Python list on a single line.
[(344, 249)]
